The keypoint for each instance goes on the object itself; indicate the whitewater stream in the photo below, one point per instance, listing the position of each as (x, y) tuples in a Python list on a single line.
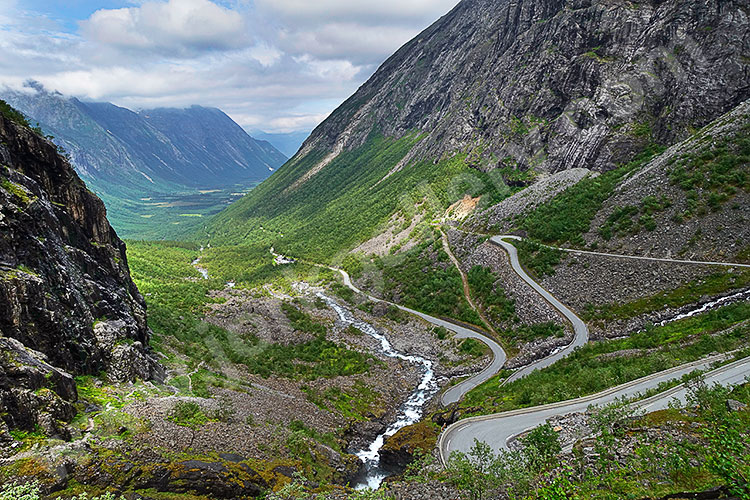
[(409, 413), (196, 265), (709, 306)]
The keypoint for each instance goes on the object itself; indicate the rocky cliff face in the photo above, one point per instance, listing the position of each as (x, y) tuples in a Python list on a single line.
[(67, 303), (553, 84)]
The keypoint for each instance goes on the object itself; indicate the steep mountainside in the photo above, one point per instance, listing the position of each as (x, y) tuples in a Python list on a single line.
[(553, 84), (499, 88), (125, 156), (67, 303)]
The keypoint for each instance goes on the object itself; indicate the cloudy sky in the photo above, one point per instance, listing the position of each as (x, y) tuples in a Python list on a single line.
[(273, 65)]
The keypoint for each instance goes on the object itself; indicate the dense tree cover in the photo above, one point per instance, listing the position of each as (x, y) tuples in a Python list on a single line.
[(424, 279), (250, 264), (599, 365), (302, 321)]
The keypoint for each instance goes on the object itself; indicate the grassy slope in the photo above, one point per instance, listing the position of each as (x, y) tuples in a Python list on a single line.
[(343, 204), (177, 298)]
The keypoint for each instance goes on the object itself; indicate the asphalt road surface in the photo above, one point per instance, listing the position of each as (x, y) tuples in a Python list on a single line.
[(455, 393), (581, 331), (497, 429)]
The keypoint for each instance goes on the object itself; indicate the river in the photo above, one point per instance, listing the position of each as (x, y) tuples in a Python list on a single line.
[(708, 306), (409, 413)]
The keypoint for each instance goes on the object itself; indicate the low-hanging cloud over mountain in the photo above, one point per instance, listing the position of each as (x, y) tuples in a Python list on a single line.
[(275, 65)]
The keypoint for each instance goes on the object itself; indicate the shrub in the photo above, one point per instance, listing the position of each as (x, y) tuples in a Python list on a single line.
[(188, 414), (541, 446), (15, 491), (12, 114)]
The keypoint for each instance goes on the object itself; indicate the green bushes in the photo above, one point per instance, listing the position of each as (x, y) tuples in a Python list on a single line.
[(630, 219), (425, 286), (596, 366), (540, 260), (302, 321), (250, 264), (13, 114), (678, 297), (15, 491), (188, 414), (355, 403), (309, 361), (473, 348), (486, 289), (529, 333), (715, 174), (177, 297), (32, 491), (568, 216)]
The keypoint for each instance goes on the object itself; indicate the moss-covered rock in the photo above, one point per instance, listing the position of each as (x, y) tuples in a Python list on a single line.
[(400, 449)]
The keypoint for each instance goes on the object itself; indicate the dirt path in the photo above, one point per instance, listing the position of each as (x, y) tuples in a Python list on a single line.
[(465, 280)]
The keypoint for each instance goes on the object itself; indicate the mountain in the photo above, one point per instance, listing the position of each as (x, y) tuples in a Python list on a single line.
[(67, 303), (127, 156), (500, 90)]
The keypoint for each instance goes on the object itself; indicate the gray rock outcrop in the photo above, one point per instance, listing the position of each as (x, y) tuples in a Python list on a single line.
[(552, 84), (67, 302)]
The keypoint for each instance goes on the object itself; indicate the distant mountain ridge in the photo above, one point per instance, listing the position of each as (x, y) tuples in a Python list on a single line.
[(193, 147), (125, 155)]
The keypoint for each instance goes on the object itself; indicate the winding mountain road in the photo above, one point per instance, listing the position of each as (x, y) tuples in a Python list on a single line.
[(499, 357), (455, 393), (655, 259), (496, 430), (581, 331)]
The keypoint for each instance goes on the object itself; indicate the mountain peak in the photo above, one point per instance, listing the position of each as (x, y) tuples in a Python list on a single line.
[(551, 84)]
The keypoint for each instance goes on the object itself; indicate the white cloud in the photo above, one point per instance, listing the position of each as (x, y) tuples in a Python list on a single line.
[(173, 26), (364, 12), (264, 54), (360, 44), (286, 124), (281, 124), (362, 31), (333, 70), (100, 83), (273, 65)]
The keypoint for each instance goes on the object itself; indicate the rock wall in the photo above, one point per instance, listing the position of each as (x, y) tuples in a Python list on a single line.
[(67, 303), (553, 84)]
